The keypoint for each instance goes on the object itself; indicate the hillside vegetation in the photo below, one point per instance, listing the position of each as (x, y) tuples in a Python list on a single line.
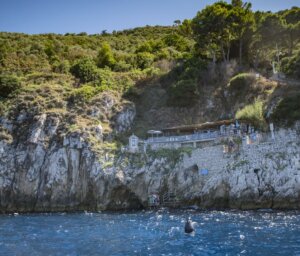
[(197, 70)]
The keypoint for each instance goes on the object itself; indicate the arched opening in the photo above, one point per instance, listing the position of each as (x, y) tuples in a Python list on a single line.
[(195, 168), (123, 199)]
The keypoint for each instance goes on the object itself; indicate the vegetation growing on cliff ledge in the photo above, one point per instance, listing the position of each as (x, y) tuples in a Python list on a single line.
[(288, 109), (253, 113)]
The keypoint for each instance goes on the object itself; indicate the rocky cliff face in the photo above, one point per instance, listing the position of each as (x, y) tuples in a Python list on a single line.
[(44, 169), (61, 160), (265, 175)]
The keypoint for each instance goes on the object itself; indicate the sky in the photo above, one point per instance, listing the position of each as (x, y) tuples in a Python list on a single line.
[(94, 16)]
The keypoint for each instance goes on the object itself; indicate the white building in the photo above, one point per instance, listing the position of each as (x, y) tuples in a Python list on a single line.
[(133, 143)]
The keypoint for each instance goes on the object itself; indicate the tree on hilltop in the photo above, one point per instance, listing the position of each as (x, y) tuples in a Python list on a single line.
[(105, 57)]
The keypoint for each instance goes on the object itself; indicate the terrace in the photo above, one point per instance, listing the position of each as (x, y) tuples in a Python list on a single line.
[(209, 135), (195, 133)]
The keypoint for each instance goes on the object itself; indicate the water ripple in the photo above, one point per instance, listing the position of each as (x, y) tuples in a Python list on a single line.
[(151, 233)]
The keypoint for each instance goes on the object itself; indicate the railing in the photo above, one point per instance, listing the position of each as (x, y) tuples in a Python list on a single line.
[(188, 138), (266, 137), (170, 199)]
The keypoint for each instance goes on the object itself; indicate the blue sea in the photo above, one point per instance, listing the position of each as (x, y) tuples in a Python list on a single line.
[(151, 233)]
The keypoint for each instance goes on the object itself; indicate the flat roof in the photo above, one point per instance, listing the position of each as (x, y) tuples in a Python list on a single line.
[(202, 126), (154, 132)]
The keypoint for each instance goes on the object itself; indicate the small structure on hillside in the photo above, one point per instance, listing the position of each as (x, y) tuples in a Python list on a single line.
[(133, 143), (154, 133), (195, 135), (198, 135)]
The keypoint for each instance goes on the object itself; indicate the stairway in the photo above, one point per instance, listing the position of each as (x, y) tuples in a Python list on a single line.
[(170, 199)]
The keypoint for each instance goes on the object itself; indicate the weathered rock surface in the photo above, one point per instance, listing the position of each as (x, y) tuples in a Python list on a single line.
[(42, 169)]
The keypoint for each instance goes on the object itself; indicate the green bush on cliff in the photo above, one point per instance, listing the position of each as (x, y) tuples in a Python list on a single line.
[(8, 85), (291, 66), (105, 57), (86, 71), (82, 94), (179, 42), (184, 93), (287, 110), (144, 60), (252, 113), (241, 83), (182, 82), (62, 67)]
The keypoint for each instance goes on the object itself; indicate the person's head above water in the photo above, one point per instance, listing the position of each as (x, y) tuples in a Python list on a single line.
[(188, 228)]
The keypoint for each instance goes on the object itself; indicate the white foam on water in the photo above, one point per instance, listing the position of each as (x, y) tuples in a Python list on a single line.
[(173, 230), (88, 213), (159, 217)]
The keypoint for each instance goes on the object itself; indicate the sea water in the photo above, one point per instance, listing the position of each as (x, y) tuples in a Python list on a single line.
[(151, 233)]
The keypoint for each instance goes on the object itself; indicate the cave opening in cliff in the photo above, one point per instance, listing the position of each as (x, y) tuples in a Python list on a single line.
[(122, 198)]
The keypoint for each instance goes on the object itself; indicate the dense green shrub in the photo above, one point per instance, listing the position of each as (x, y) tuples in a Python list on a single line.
[(144, 47), (177, 41), (253, 114), (287, 110), (108, 80), (82, 94), (241, 82), (8, 84), (105, 57), (184, 93), (144, 60), (291, 66), (86, 70), (151, 46), (122, 66), (62, 67)]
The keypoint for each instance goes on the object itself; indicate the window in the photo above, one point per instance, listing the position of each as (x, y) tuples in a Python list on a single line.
[(133, 142)]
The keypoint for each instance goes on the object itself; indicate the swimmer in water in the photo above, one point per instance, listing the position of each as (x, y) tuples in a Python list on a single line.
[(189, 226)]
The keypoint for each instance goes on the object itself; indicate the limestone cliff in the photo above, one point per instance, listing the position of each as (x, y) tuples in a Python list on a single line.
[(42, 168)]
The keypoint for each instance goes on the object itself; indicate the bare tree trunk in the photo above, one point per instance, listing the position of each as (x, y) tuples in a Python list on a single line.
[(213, 55), (223, 52), (240, 51), (228, 53)]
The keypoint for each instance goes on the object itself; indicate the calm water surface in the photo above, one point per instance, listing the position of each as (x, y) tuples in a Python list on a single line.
[(151, 233)]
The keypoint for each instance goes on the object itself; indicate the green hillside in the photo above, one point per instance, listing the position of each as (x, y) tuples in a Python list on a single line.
[(214, 56)]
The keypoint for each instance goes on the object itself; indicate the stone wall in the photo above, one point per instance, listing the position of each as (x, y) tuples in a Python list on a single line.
[(257, 176), (216, 161)]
